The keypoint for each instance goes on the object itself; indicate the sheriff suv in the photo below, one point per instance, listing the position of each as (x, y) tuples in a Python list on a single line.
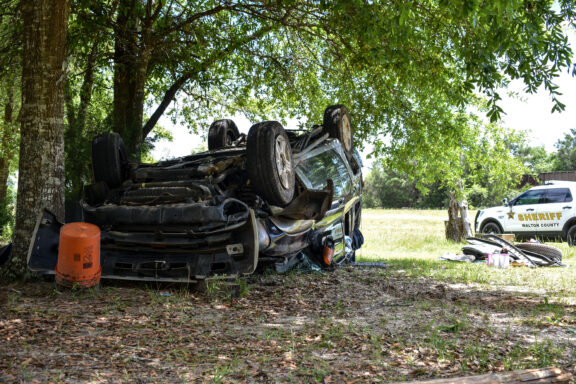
[(546, 211)]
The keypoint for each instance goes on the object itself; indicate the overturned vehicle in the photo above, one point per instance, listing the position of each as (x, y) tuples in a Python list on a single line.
[(256, 201)]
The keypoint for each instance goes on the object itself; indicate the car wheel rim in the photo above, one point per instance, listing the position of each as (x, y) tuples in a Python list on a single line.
[(346, 133), (283, 161)]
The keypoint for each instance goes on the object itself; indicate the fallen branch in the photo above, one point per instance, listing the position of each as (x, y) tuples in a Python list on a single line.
[(526, 376)]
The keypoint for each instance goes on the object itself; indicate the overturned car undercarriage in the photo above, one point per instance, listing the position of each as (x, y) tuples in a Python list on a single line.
[(250, 202)]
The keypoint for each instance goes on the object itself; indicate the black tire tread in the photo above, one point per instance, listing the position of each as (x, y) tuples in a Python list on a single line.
[(261, 165), (491, 222), (218, 131), (542, 249), (108, 158), (331, 123)]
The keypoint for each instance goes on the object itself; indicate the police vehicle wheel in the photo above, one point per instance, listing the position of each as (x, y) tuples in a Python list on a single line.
[(571, 236), (542, 249), (222, 133), (269, 163), (337, 124), (491, 227), (109, 159)]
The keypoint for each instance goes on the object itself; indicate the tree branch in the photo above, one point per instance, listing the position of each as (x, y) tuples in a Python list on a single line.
[(171, 92)]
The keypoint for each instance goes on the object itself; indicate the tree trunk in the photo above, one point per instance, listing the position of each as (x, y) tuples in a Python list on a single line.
[(131, 59), (6, 155), (6, 151), (454, 225), (77, 163), (41, 166), (458, 227), (467, 226)]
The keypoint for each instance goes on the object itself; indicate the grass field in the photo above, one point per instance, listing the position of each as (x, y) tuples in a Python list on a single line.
[(412, 240), (420, 318)]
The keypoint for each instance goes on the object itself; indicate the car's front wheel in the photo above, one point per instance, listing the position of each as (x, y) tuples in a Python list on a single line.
[(491, 227), (269, 163), (571, 236)]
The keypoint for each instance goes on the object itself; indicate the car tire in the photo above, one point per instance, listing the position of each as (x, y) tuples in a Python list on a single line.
[(73, 211), (269, 163), (542, 249), (337, 125), (491, 227), (96, 194), (109, 159), (222, 133), (571, 236)]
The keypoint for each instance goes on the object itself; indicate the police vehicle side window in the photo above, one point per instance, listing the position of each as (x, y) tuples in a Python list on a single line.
[(324, 166), (557, 195), (530, 197)]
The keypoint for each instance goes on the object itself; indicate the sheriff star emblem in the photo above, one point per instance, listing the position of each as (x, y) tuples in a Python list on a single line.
[(511, 215)]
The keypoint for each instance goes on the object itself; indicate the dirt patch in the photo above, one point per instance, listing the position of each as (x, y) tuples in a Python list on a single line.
[(351, 325)]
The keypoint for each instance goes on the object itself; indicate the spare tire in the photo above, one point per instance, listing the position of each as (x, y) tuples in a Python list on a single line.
[(269, 163), (109, 159), (222, 133), (542, 249), (337, 125)]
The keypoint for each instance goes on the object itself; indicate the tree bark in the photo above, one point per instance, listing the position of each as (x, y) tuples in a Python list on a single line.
[(41, 166), (131, 58), (5, 150), (77, 168), (467, 226), (9, 133), (454, 228)]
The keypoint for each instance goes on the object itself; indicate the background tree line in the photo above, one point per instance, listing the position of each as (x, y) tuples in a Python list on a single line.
[(410, 72), (388, 188)]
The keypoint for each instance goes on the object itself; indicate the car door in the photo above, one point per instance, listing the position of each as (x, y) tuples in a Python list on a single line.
[(323, 164), (522, 216), (556, 208)]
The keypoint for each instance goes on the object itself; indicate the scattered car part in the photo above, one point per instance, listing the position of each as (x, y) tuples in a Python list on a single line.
[(541, 249), (480, 248)]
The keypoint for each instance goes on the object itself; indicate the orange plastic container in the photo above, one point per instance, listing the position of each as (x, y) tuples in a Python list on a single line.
[(79, 256)]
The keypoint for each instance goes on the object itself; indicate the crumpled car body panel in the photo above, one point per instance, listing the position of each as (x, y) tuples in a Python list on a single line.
[(173, 256)]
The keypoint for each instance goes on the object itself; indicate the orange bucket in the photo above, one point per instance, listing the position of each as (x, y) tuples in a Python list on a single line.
[(79, 256)]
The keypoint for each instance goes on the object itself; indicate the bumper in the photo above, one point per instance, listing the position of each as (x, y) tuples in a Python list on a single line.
[(171, 254)]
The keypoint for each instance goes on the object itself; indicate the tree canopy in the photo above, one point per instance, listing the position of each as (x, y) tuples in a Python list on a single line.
[(397, 65)]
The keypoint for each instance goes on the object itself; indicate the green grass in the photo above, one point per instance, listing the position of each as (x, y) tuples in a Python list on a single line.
[(413, 240)]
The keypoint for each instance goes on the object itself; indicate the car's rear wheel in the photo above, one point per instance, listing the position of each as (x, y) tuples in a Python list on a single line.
[(269, 163), (491, 227), (337, 125), (109, 159), (222, 134)]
